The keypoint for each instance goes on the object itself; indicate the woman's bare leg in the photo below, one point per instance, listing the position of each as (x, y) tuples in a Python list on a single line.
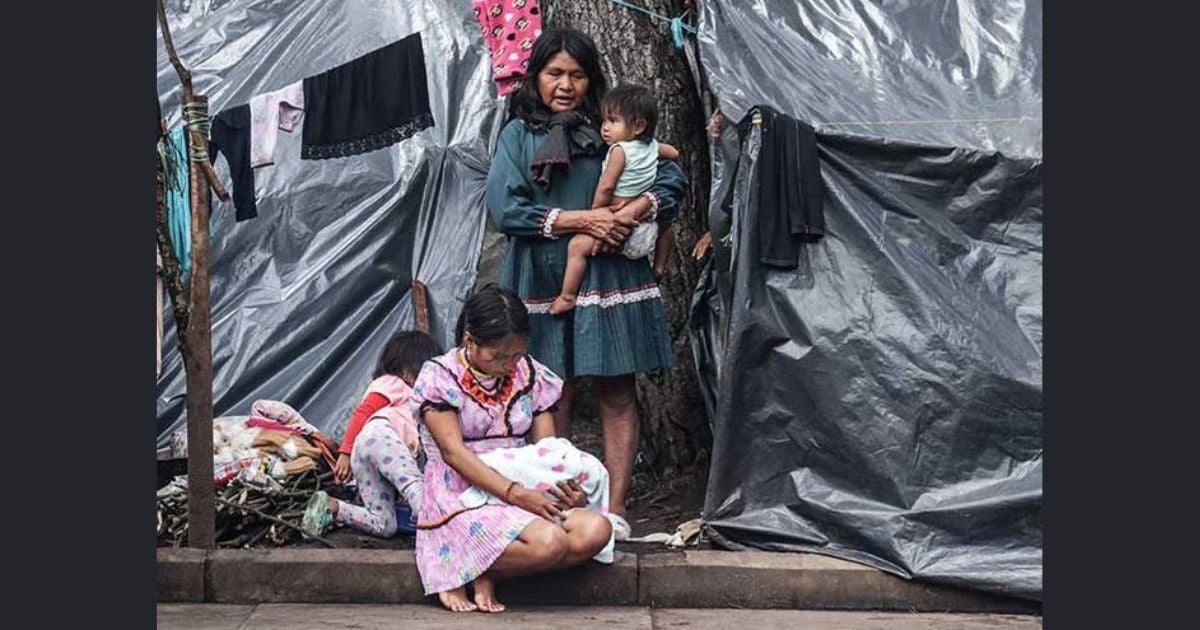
[(587, 533), (543, 546), (539, 547), (617, 396), (562, 415)]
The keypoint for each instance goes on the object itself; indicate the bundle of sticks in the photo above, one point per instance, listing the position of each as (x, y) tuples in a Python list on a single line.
[(248, 515)]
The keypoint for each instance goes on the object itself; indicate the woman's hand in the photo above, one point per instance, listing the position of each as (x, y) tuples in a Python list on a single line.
[(628, 212), (569, 495), (714, 125), (535, 503), (607, 226), (703, 246), (626, 215), (341, 470)]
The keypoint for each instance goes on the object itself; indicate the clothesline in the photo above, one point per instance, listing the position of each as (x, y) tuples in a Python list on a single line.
[(933, 121), (948, 121), (677, 25)]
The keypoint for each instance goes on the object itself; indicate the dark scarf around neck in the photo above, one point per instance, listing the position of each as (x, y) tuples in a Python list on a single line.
[(569, 134)]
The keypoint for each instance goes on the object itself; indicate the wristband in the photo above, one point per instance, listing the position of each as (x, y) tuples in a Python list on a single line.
[(653, 205), (548, 223)]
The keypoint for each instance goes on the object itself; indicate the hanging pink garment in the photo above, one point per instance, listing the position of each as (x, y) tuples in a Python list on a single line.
[(509, 30), (270, 112)]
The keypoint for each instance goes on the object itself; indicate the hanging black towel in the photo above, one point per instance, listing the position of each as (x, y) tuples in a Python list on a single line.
[(230, 134), (366, 104), (790, 192)]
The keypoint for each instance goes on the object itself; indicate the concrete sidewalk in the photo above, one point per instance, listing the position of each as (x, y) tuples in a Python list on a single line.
[(421, 617), (691, 579)]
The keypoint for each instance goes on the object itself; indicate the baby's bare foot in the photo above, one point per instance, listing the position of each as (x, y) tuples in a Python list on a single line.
[(562, 304)]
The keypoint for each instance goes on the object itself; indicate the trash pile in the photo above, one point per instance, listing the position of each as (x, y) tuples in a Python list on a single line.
[(687, 534), (248, 516), (266, 466)]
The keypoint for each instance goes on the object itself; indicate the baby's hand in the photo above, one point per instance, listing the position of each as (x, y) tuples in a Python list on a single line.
[(568, 495), (341, 470)]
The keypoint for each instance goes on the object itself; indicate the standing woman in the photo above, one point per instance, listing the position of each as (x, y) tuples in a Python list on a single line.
[(540, 186)]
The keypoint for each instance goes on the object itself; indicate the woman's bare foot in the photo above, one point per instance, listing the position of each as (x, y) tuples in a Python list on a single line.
[(456, 600), (485, 595), (562, 304)]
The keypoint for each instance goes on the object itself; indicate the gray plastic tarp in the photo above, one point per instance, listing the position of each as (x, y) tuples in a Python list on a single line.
[(882, 402), (304, 295)]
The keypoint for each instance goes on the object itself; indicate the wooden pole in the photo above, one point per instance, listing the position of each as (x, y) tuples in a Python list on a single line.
[(198, 367), (421, 306), (197, 360)]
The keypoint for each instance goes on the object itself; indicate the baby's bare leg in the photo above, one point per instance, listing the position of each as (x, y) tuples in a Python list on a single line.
[(578, 251), (662, 250)]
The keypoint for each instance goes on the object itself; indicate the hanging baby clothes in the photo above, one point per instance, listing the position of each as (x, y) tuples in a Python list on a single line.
[(230, 135), (270, 112), (178, 191), (366, 104), (509, 30)]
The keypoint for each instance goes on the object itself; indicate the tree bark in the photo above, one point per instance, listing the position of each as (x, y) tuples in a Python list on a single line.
[(637, 48)]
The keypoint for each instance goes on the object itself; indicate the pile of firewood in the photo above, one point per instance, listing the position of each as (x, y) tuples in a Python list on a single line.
[(248, 515)]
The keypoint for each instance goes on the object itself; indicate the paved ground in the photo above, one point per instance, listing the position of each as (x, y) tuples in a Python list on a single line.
[(418, 617)]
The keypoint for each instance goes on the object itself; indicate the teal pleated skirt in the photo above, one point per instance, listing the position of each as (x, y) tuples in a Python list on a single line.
[(618, 326)]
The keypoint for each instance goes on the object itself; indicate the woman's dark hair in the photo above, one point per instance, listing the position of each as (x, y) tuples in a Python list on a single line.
[(406, 351), (526, 103), (491, 314), (633, 102)]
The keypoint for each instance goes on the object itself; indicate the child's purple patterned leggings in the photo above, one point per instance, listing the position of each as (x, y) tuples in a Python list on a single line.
[(384, 470)]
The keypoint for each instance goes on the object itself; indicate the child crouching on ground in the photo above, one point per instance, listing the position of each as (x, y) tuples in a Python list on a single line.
[(380, 446)]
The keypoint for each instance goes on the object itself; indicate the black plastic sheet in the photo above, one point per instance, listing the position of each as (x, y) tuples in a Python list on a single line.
[(304, 296), (882, 403)]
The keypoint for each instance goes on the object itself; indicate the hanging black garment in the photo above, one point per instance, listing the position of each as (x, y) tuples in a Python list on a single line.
[(790, 192), (366, 104), (230, 135)]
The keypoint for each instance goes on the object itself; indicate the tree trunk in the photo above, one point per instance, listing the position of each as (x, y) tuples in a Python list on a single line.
[(637, 48)]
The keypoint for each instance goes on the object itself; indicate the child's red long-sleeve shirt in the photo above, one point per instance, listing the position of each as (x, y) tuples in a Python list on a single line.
[(374, 401)]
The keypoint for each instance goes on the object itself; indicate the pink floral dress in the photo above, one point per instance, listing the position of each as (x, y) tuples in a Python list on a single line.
[(457, 543)]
